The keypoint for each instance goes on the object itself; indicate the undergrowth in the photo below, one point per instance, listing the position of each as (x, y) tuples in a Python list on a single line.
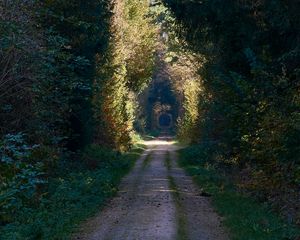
[(244, 217), (76, 192)]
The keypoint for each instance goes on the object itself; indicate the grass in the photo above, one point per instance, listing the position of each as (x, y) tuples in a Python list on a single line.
[(168, 161), (72, 196), (180, 217), (244, 217), (147, 161)]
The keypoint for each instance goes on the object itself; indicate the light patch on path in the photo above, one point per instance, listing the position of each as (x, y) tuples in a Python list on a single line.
[(147, 209)]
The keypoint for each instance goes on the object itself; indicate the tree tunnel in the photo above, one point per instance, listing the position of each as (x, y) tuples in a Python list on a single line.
[(162, 105)]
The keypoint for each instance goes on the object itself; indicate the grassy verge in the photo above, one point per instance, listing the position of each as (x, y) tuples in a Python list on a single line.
[(245, 218), (180, 215), (72, 196), (147, 161), (181, 220), (168, 161)]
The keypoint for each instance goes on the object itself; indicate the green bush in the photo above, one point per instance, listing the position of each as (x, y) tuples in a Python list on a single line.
[(20, 178), (71, 197)]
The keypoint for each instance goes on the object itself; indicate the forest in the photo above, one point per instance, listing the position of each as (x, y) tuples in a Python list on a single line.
[(92, 91)]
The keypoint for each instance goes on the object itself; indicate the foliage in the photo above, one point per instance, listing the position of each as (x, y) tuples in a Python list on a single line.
[(51, 54), (79, 30), (125, 71), (181, 67), (18, 47), (20, 178), (244, 217), (188, 86), (72, 73), (250, 90), (47, 52), (53, 94), (72, 197)]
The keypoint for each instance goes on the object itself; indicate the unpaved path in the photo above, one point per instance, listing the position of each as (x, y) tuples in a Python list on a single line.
[(157, 200)]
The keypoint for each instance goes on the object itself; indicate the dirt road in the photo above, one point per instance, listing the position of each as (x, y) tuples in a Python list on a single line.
[(157, 200)]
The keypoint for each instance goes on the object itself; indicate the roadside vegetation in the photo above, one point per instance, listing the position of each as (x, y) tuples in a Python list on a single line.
[(70, 73), (241, 102), (244, 216), (77, 191), (76, 86)]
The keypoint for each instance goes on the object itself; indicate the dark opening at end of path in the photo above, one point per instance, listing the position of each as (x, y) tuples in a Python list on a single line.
[(165, 120)]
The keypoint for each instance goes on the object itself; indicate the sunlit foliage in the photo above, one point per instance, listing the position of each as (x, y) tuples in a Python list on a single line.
[(70, 72), (126, 71), (181, 65), (250, 111)]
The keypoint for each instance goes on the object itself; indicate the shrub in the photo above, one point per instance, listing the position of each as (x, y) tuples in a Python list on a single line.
[(20, 178)]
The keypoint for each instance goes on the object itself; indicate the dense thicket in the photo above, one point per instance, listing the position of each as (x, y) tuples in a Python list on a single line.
[(175, 85), (125, 71), (250, 102), (47, 53), (82, 29), (70, 72)]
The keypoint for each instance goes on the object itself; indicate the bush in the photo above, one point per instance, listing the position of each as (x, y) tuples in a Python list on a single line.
[(71, 197), (20, 178)]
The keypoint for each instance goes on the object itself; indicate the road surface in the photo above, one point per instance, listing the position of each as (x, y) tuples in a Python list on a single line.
[(156, 201)]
